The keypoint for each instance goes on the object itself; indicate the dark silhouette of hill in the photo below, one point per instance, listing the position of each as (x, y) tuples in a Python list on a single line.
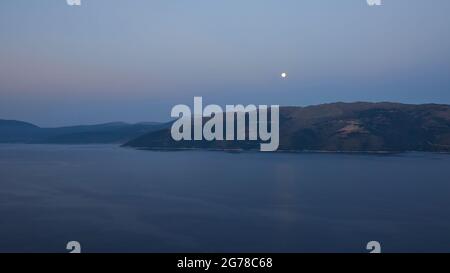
[(359, 126), (12, 131)]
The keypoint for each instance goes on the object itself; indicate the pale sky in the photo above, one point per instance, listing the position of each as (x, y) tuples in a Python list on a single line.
[(121, 60)]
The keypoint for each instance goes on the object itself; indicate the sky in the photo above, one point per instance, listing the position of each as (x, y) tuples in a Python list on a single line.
[(132, 61)]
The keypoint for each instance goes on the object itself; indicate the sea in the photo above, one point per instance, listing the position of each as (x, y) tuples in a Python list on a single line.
[(114, 199)]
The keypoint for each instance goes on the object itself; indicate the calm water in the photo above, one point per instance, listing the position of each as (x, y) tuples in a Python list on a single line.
[(122, 200)]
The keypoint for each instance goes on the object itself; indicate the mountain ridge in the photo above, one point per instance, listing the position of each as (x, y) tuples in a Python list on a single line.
[(338, 126), (347, 127), (14, 131)]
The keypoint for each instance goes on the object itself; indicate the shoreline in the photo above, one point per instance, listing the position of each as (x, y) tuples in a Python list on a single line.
[(166, 149), (281, 151)]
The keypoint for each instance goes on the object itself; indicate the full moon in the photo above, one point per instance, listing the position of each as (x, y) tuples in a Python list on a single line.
[(284, 75)]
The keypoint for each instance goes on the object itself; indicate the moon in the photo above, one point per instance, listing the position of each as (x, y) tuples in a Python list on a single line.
[(284, 75)]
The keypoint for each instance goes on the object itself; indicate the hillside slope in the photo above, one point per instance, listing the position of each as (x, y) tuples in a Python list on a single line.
[(12, 131), (340, 127)]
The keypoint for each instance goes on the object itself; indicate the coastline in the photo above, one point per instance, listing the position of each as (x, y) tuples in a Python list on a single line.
[(281, 151)]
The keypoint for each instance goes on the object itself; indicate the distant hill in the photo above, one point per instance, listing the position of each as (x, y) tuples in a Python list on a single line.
[(360, 126), (12, 131), (17, 131)]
